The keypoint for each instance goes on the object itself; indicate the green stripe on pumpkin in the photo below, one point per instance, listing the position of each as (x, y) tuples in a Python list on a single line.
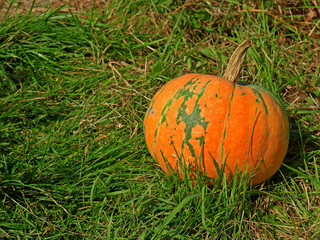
[(226, 121), (194, 118), (256, 92)]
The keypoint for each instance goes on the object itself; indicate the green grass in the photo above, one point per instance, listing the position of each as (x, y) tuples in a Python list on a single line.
[(74, 88)]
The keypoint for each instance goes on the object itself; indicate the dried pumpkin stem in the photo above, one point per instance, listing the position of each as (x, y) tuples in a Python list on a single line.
[(234, 66)]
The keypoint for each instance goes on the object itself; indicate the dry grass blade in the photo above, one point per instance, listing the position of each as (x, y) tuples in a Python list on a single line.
[(114, 70)]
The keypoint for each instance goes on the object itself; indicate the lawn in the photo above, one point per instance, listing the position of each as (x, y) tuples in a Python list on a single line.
[(74, 88)]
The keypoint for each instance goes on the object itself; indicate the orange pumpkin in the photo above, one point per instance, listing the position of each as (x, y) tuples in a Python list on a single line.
[(208, 121)]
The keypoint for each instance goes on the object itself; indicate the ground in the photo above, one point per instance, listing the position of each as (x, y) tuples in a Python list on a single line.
[(42, 5)]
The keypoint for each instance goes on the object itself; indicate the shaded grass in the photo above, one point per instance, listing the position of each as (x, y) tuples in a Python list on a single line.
[(74, 90)]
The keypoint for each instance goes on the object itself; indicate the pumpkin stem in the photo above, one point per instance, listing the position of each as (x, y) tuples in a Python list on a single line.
[(234, 66)]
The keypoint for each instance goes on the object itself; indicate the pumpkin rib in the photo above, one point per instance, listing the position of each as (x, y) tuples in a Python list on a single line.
[(261, 162), (191, 119), (260, 165), (176, 96), (250, 147), (238, 122), (226, 121), (264, 160), (271, 158), (218, 90), (162, 114), (221, 150)]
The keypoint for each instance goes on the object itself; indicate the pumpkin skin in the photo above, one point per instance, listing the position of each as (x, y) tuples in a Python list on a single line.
[(205, 121)]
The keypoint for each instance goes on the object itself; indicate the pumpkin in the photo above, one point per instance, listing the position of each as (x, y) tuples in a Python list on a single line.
[(206, 123)]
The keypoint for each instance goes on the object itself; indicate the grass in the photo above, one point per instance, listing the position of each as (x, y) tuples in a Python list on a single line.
[(74, 90)]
